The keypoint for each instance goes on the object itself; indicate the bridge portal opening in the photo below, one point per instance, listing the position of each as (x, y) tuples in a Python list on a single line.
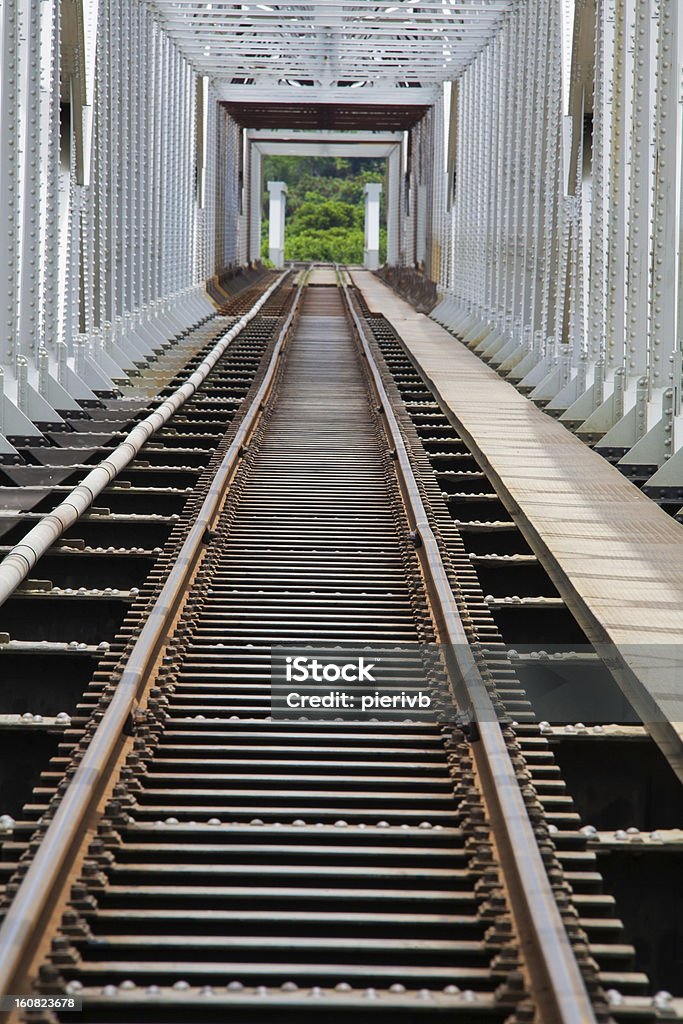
[(326, 202)]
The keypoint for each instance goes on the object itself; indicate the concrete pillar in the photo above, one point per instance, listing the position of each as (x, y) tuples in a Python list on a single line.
[(371, 253), (276, 227)]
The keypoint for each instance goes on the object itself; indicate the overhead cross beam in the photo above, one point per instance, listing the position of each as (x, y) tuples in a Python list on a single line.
[(323, 116), (331, 45)]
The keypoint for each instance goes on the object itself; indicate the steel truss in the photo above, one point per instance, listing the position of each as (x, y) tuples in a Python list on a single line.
[(562, 244), (541, 190), (303, 45), (119, 197)]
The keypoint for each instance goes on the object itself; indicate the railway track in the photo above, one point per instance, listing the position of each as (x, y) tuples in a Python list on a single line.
[(194, 850), (57, 626)]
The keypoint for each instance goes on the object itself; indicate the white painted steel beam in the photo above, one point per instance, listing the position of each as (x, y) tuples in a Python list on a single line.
[(273, 89), (109, 181), (540, 189), (333, 149), (324, 43), (563, 237), (370, 137)]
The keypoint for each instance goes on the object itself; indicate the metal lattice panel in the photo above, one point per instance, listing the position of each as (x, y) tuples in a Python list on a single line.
[(351, 44), (565, 218)]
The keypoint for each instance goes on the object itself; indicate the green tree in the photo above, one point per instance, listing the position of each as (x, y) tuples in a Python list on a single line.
[(325, 206)]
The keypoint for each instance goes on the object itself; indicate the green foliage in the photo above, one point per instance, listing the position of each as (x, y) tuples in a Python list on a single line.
[(318, 214), (325, 206)]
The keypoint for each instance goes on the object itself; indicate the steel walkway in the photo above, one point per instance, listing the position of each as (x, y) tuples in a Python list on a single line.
[(614, 555)]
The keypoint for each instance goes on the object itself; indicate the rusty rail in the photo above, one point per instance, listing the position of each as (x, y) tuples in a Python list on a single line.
[(47, 875), (554, 975)]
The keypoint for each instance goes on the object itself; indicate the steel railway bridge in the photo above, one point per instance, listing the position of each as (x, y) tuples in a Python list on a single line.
[(226, 486)]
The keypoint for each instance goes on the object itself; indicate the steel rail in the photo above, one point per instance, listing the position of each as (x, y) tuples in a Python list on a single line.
[(555, 979), (39, 890), (19, 562)]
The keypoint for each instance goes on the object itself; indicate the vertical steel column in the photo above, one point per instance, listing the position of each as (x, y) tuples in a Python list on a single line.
[(663, 312), (393, 204), (211, 184), (115, 173), (72, 252), (438, 224), (459, 202), (165, 237), (231, 169), (553, 286), (477, 188), (540, 115), (243, 231), (136, 168), (512, 148), (639, 234), (157, 166), (173, 220), (10, 227), (181, 218), (622, 63), (98, 186), (107, 154), (597, 283), (522, 158), (489, 174), (51, 255), (255, 200), (500, 176), (219, 224), (658, 401), (30, 277), (186, 178), (145, 127)]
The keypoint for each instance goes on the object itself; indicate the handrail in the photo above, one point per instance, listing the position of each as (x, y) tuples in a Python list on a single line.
[(555, 979), (20, 560), (41, 885)]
